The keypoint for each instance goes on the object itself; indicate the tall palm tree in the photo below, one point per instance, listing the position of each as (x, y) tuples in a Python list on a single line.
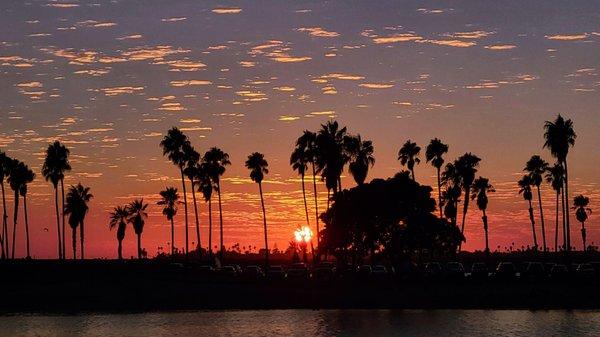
[(76, 207), (191, 171), (299, 161), (258, 166), (580, 205), (434, 154), (555, 176), (409, 156), (330, 156), (559, 137), (137, 218), (216, 161), (206, 186), (118, 218), (536, 167), (307, 143), (56, 163), (4, 172), (466, 167), (176, 146), (481, 187), (361, 157), (169, 198), (525, 189), (450, 199), (16, 179), (28, 177)]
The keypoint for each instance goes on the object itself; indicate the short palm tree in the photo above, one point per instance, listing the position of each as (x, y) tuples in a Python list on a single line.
[(329, 155), (137, 218), (555, 177), (4, 172), (76, 207), (56, 163), (409, 156), (28, 177), (169, 198), (258, 166), (176, 146), (525, 189), (435, 154), (206, 186), (481, 187), (450, 199), (559, 137), (216, 162), (306, 145), (191, 172), (466, 167), (118, 218), (536, 167), (580, 205), (361, 157)]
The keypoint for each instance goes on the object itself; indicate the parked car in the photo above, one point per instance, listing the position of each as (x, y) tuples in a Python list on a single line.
[(276, 273), (559, 272), (324, 272), (379, 272), (534, 271), (455, 271), (228, 272), (364, 271), (298, 271), (205, 270), (253, 273), (506, 271), (432, 271), (479, 271), (585, 271)]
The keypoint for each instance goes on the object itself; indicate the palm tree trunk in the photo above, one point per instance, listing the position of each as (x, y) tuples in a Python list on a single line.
[(139, 245), (26, 225), (542, 217), (62, 188), (556, 227), (186, 213), (172, 238), (564, 223), (74, 243), (15, 216), (531, 218), (306, 211), (412, 172), (198, 244), (81, 238), (583, 236), (316, 201), (210, 227), (220, 222), (57, 222), (485, 229), (439, 193), (465, 209), (262, 203), (4, 225), (120, 250), (567, 206)]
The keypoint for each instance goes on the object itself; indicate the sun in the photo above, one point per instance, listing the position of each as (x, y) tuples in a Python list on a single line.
[(303, 235)]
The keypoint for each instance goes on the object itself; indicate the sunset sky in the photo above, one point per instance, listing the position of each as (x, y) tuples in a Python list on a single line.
[(109, 78)]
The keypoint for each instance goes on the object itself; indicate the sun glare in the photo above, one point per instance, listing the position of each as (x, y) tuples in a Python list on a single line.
[(303, 235)]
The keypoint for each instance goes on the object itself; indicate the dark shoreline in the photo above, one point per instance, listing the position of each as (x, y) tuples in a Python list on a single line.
[(115, 287)]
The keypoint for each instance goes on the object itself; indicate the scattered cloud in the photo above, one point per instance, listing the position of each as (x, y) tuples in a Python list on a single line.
[(376, 85), (318, 32), (501, 47), (186, 83), (567, 37), (231, 10)]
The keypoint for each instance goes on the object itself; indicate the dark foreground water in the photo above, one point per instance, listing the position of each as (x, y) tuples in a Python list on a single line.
[(311, 323)]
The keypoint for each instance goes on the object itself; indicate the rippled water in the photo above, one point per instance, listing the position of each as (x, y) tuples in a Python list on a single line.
[(310, 323)]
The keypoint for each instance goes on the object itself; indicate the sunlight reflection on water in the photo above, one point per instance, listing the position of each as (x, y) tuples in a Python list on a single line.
[(310, 323)]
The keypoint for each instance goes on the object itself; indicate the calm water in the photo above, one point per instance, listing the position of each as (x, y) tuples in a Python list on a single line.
[(310, 323)]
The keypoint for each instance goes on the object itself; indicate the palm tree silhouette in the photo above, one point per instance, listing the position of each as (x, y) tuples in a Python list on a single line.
[(580, 205), (330, 156), (536, 167), (525, 189), (56, 163), (409, 156), (307, 145), (206, 186), (559, 137), (118, 218), (216, 161), (481, 187), (176, 146), (299, 161), (361, 157), (76, 207), (4, 172), (191, 171), (434, 154), (169, 201), (19, 175), (466, 167), (555, 176), (28, 177), (258, 166), (137, 218), (450, 199)]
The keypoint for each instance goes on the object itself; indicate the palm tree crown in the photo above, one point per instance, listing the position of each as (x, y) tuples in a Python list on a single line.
[(536, 167), (559, 137), (555, 176), (56, 163), (175, 146), (481, 187), (580, 205), (361, 157), (330, 155), (409, 156), (169, 201), (525, 187), (137, 215), (435, 151), (258, 166), (216, 162)]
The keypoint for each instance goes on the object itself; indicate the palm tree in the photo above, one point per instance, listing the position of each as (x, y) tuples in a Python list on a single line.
[(16, 178), (525, 189), (481, 187), (176, 146), (466, 167), (137, 218), (118, 218), (169, 201), (56, 163), (555, 176), (330, 156), (191, 171), (434, 154), (559, 137), (258, 166), (206, 186), (307, 144), (28, 177), (536, 167), (450, 200), (580, 205), (409, 156), (216, 161), (4, 172), (299, 161), (76, 207), (361, 157)]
